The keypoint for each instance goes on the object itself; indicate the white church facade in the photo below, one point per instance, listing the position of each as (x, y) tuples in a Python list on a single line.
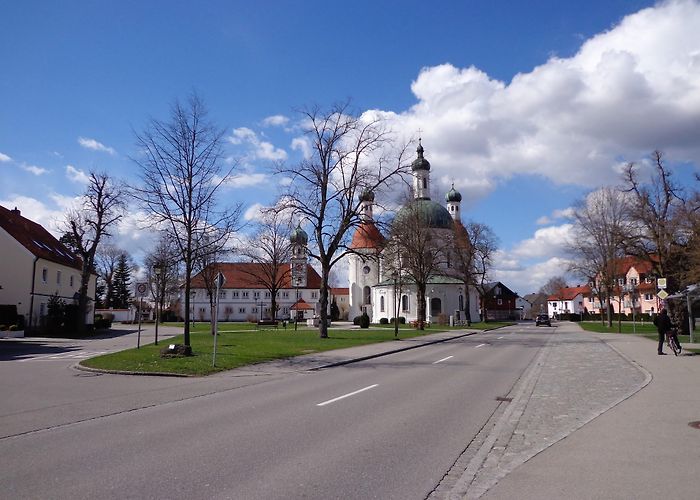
[(372, 286)]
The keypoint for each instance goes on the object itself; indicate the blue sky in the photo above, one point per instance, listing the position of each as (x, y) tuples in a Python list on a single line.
[(525, 106)]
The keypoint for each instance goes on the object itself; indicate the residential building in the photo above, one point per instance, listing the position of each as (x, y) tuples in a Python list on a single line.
[(36, 266), (569, 300), (499, 302)]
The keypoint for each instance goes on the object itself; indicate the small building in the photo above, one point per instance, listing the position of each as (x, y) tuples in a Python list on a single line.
[(342, 300), (569, 300), (36, 266), (499, 302)]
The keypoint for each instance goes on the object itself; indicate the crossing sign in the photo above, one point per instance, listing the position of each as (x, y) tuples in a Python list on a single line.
[(661, 283)]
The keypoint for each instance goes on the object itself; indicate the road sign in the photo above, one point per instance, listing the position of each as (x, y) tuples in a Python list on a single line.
[(141, 289), (661, 283), (662, 294)]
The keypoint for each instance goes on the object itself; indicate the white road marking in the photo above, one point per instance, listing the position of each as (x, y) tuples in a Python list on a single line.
[(64, 355), (347, 395), (500, 337), (480, 345), (443, 359)]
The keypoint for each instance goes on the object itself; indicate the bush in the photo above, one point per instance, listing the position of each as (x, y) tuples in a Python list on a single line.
[(13, 328), (3, 328), (402, 320), (364, 321), (356, 320), (442, 319), (383, 321)]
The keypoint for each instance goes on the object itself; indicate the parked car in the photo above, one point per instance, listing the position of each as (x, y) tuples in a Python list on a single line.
[(543, 319)]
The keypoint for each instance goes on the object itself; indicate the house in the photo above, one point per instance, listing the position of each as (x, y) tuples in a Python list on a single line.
[(569, 300), (243, 296), (36, 266), (538, 304), (524, 307), (499, 302), (635, 288)]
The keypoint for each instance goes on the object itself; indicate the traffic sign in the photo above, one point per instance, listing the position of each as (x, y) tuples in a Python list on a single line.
[(141, 289), (661, 283), (220, 280), (662, 294)]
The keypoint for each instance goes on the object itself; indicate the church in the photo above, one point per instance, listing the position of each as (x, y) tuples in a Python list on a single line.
[(374, 289)]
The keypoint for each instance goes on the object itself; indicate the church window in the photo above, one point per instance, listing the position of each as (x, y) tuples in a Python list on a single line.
[(461, 302), (381, 303), (404, 303), (366, 295), (435, 306), (425, 183)]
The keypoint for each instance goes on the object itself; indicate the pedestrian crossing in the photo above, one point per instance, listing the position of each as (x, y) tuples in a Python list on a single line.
[(70, 355)]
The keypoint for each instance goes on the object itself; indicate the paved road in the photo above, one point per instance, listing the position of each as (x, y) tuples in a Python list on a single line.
[(389, 427)]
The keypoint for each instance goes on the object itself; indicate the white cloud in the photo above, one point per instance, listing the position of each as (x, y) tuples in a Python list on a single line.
[(246, 180), (88, 143), (302, 144), (275, 121), (548, 241), (34, 169), (529, 279), (626, 92), (76, 175), (563, 213), (4, 158), (259, 149), (254, 212)]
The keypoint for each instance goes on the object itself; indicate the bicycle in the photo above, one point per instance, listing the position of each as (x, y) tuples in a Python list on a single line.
[(672, 342)]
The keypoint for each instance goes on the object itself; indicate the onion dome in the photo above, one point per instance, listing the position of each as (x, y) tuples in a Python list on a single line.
[(367, 195), (427, 212), (299, 236), (453, 195), (420, 163)]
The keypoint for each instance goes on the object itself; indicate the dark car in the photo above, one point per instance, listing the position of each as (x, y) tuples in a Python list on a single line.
[(542, 319)]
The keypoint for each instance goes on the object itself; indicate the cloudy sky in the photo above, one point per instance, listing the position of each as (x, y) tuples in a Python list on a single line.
[(524, 107)]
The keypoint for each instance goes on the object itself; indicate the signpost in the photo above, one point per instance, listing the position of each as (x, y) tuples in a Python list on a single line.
[(141, 289), (219, 280)]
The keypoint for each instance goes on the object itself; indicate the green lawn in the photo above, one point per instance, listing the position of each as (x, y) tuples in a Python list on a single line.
[(239, 344), (647, 330)]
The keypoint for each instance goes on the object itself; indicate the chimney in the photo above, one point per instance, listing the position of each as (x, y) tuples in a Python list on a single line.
[(16, 211)]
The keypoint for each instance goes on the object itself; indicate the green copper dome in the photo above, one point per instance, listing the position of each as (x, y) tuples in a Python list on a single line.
[(299, 236), (428, 212), (453, 195)]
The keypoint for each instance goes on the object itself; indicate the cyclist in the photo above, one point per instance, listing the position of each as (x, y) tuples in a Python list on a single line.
[(663, 326)]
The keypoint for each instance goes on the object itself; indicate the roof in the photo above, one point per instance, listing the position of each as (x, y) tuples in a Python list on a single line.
[(425, 211), (367, 236), (570, 293), (36, 239), (301, 305), (340, 291), (492, 284), (242, 275), (623, 265)]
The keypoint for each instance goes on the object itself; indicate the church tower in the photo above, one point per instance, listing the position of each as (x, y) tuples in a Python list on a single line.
[(299, 240), (421, 175), (363, 262), (454, 199)]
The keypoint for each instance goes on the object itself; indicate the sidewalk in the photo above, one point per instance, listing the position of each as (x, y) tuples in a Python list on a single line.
[(595, 416)]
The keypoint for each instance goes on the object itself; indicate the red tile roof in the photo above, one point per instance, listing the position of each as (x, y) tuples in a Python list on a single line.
[(245, 275), (367, 236), (36, 239), (570, 292), (340, 291), (301, 305)]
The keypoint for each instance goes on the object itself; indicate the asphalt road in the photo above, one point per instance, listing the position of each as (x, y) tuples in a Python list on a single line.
[(384, 428)]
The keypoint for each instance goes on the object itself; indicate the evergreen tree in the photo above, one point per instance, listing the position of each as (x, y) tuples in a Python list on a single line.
[(122, 283)]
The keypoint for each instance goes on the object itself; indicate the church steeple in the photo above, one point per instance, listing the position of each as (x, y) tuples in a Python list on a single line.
[(453, 199), (421, 175)]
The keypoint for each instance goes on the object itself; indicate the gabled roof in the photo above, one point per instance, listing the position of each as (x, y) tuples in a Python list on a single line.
[(570, 293), (367, 236), (340, 291), (623, 265), (493, 284), (36, 239), (243, 275), (301, 305)]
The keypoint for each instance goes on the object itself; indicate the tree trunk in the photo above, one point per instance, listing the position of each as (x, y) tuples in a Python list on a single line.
[(323, 324), (421, 307), (468, 305), (188, 275)]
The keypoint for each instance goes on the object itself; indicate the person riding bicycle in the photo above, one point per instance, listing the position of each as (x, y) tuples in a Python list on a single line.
[(664, 326)]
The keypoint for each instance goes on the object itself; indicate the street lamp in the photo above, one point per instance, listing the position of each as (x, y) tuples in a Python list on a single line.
[(630, 290), (297, 282), (157, 270)]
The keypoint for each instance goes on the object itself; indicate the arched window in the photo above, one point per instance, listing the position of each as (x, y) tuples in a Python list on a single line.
[(435, 306), (381, 303), (366, 295), (404, 303), (461, 302)]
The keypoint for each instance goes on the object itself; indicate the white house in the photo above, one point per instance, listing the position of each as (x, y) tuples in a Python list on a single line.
[(36, 266), (568, 300)]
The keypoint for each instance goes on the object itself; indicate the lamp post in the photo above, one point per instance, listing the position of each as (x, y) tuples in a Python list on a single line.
[(395, 277), (157, 270), (297, 282), (630, 290)]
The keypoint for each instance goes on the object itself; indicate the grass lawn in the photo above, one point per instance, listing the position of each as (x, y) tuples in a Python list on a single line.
[(240, 344), (647, 330)]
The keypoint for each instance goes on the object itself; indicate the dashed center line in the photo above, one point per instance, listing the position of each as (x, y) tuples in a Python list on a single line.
[(347, 395), (480, 345), (500, 337), (443, 359)]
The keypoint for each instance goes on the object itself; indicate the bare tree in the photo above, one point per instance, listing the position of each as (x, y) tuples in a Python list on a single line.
[(474, 247), (101, 209), (657, 210), (422, 254), (182, 173), (107, 259), (164, 257), (347, 157), (270, 248), (553, 285)]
